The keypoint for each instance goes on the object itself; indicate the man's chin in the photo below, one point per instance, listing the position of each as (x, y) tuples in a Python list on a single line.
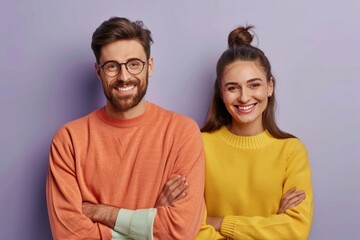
[(124, 105)]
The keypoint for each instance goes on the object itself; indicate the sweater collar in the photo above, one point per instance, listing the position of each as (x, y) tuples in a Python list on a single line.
[(124, 123), (244, 142)]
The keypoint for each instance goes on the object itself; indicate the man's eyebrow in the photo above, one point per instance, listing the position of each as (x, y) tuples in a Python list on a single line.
[(127, 60)]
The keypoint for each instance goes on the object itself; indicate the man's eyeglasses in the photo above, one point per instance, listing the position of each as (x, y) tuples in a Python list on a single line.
[(134, 66)]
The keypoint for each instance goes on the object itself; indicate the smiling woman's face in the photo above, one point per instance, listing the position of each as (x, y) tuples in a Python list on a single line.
[(245, 91)]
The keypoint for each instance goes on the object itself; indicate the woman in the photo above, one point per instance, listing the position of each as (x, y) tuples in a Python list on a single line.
[(252, 167)]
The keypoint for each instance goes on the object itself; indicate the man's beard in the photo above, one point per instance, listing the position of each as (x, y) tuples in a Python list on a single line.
[(125, 103)]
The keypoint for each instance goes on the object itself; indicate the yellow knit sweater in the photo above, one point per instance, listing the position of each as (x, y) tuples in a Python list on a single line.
[(245, 180)]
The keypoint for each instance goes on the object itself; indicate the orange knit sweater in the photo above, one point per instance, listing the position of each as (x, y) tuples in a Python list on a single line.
[(125, 163)]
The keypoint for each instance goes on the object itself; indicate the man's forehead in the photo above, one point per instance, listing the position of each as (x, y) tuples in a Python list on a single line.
[(123, 50)]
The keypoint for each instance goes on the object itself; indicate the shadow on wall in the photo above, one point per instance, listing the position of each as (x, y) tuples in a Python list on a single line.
[(83, 92), (71, 84), (77, 93), (24, 199), (39, 226), (83, 95)]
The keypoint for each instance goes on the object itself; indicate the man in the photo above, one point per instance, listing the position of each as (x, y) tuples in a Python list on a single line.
[(112, 173)]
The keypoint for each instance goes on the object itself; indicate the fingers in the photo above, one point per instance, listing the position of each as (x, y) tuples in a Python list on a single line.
[(175, 186), (291, 199), (173, 191), (176, 191), (290, 191), (179, 196)]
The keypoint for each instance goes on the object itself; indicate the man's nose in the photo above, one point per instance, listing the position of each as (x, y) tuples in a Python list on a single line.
[(123, 75)]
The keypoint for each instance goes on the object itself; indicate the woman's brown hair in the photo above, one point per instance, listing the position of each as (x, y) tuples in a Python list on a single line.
[(240, 49)]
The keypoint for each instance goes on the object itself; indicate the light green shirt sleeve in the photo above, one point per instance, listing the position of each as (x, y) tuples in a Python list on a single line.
[(118, 236), (134, 224)]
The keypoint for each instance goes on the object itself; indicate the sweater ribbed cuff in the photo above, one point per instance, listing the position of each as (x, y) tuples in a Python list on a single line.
[(227, 227)]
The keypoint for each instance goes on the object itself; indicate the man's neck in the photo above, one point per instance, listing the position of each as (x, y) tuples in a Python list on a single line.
[(134, 112)]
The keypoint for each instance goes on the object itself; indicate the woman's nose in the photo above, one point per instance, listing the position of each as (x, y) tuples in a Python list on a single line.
[(244, 96)]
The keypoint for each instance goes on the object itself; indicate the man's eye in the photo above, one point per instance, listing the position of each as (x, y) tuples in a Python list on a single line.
[(111, 66), (134, 64)]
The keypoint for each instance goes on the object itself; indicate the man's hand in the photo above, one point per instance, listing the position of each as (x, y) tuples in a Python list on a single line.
[(291, 199), (173, 191), (100, 213)]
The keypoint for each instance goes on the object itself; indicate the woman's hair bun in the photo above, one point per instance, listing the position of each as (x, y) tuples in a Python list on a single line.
[(240, 36)]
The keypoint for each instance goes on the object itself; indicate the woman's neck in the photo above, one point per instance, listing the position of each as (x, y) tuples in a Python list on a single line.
[(246, 129)]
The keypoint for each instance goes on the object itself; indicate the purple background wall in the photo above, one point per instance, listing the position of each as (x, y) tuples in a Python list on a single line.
[(47, 79)]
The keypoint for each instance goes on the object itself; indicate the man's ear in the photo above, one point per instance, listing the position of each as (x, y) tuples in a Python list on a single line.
[(98, 71), (150, 66)]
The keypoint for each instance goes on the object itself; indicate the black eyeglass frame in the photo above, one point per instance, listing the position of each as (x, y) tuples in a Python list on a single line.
[(101, 66)]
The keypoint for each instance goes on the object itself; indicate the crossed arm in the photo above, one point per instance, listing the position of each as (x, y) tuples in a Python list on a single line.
[(291, 220), (71, 218), (173, 191), (290, 199)]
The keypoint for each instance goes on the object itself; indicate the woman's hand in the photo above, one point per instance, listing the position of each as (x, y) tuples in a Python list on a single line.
[(291, 199), (215, 222), (173, 191)]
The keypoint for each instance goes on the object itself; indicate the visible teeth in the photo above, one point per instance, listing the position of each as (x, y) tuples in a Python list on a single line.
[(246, 107), (126, 88)]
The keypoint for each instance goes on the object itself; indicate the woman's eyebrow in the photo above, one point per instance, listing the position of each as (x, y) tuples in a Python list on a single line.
[(254, 80), (231, 83)]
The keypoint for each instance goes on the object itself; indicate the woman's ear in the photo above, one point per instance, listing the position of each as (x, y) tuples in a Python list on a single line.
[(271, 86)]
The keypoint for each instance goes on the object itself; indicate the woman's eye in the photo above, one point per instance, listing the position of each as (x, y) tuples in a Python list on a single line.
[(232, 88), (254, 85)]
